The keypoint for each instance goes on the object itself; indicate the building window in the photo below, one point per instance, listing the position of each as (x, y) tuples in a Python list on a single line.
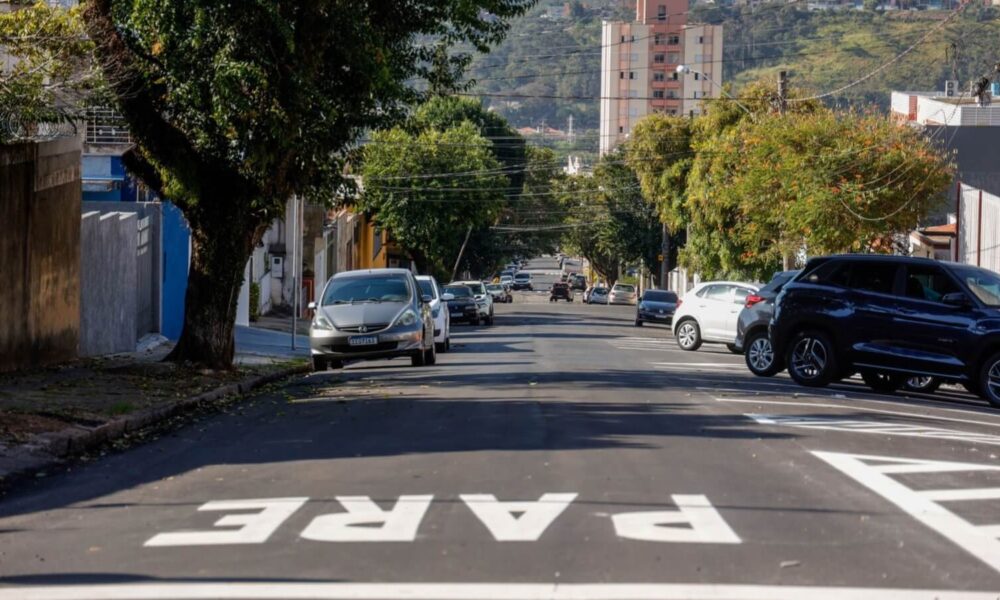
[(695, 95), (658, 94), (671, 94), (658, 59), (706, 75), (631, 38), (657, 39), (633, 93), (701, 39), (623, 39), (633, 57), (661, 13), (633, 112), (675, 76), (621, 129), (673, 58), (674, 40), (697, 75), (631, 74), (621, 74), (658, 77), (673, 111)]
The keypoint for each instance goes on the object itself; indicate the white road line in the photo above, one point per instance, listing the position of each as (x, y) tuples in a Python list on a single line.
[(467, 591), (856, 408), (832, 423), (873, 472), (691, 364)]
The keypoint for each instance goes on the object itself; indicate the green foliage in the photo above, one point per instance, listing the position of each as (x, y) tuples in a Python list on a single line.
[(50, 74), (659, 152), (254, 300), (428, 188)]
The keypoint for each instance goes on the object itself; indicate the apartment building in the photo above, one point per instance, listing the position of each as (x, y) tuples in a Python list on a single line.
[(639, 61)]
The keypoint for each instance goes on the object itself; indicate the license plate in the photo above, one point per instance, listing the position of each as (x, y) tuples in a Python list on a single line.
[(456, 313), (362, 340)]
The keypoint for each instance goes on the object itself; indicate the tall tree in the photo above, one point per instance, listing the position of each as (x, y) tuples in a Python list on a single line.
[(238, 106), (429, 188)]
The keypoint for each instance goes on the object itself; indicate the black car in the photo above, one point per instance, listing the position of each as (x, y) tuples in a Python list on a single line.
[(751, 327), (560, 291), (462, 306), (891, 318), (578, 282), (656, 306)]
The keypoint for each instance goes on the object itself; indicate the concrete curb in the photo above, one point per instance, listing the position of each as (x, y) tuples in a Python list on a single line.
[(48, 450)]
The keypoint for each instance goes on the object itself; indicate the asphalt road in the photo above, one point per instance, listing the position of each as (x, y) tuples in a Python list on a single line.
[(561, 453)]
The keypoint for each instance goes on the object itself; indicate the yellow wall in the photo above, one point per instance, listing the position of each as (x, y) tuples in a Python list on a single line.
[(367, 258)]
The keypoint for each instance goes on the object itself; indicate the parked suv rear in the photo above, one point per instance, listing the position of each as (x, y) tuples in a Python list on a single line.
[(890, 318)]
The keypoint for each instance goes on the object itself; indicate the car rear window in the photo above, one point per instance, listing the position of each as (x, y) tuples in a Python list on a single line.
[(427, 288), (522, 276), (458, 291), (778, 281), (600, 290), (624, 288), (660, 296)]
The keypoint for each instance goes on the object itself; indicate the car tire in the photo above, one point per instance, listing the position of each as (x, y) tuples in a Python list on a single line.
[(430, 356), (923, 385), (336, 364), (418, 358), (638, 323), (475, 322), (989, 380), (319, 363), (734, 348), (688, 335), (883, 381), (811, 359), (489, 320), (759, 355)]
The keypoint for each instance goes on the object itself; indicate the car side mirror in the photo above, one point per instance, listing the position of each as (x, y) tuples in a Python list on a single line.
[(956, 299), (447, 297), (427, 298), (311, 306)]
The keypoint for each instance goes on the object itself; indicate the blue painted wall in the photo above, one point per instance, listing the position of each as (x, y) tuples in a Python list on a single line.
[(176, 249)]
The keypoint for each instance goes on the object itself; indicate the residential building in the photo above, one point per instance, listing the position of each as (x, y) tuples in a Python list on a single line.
[(639, 61)]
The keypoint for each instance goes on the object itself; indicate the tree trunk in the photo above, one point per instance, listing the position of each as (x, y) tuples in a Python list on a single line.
[(220, 248)]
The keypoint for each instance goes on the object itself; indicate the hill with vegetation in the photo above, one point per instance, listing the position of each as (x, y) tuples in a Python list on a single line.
[(548, 68)]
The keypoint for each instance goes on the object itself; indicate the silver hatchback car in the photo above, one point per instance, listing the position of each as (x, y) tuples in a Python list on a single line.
[(371, 314)]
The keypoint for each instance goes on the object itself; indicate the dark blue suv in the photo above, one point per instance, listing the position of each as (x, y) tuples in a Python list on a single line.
[(890, 318)]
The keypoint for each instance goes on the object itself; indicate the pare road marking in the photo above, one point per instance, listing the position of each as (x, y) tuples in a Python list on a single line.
[(694, 521), (832, 423), (874, 472), (241, 590)]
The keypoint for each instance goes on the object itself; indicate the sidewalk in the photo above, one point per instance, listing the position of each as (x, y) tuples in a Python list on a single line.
[(51, 413)]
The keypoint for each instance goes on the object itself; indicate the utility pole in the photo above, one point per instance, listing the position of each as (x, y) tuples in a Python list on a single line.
[(295, 260), (665, 263), (782, 91), (461, 251)]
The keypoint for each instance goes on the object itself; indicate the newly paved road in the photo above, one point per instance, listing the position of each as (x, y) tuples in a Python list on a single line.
[(561, 453)]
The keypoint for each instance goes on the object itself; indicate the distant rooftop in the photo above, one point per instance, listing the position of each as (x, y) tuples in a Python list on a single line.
[(938, 108)]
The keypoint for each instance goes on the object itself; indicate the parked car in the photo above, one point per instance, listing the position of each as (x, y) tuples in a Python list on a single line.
[(507, 280), (560, 291), (708, 313), (656, 306), (578, 282), (500, 293), (461, 304), (442, 319), (891, 318), (522, 281), (484, 300), (622, 293), (751, 327), (370, 314), (598, 295)]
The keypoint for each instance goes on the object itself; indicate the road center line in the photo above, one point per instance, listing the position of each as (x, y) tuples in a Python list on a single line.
[(466, 591)]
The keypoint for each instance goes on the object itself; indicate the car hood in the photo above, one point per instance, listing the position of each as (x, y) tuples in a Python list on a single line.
[(368, 313), (647, 304)]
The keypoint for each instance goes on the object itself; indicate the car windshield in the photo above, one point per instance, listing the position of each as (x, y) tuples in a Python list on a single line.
[(477, 288), (779, 280), (984, 284), (458, 291), (624, 288), (660, 296), (522, 276), (350, 290), (495, 287), (427, 288), (600, 290)]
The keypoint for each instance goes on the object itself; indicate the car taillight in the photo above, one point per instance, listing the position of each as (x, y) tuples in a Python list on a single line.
[(753, 299)]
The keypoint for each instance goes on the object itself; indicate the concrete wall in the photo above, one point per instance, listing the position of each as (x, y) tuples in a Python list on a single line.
[(39, 252), (108, 270)]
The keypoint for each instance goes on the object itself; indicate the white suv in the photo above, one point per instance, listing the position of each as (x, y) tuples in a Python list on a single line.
[(442, 319), (709, 312)]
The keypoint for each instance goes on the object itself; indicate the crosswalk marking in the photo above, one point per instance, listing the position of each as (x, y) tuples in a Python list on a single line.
[(832, 423), (923, 505)]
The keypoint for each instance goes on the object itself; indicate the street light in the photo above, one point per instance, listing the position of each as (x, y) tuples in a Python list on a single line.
[(684, 70)]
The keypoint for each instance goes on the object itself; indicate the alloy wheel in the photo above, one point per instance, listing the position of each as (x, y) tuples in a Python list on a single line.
[(993, 381), (686, 335), (761, 354), (809, 358)]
